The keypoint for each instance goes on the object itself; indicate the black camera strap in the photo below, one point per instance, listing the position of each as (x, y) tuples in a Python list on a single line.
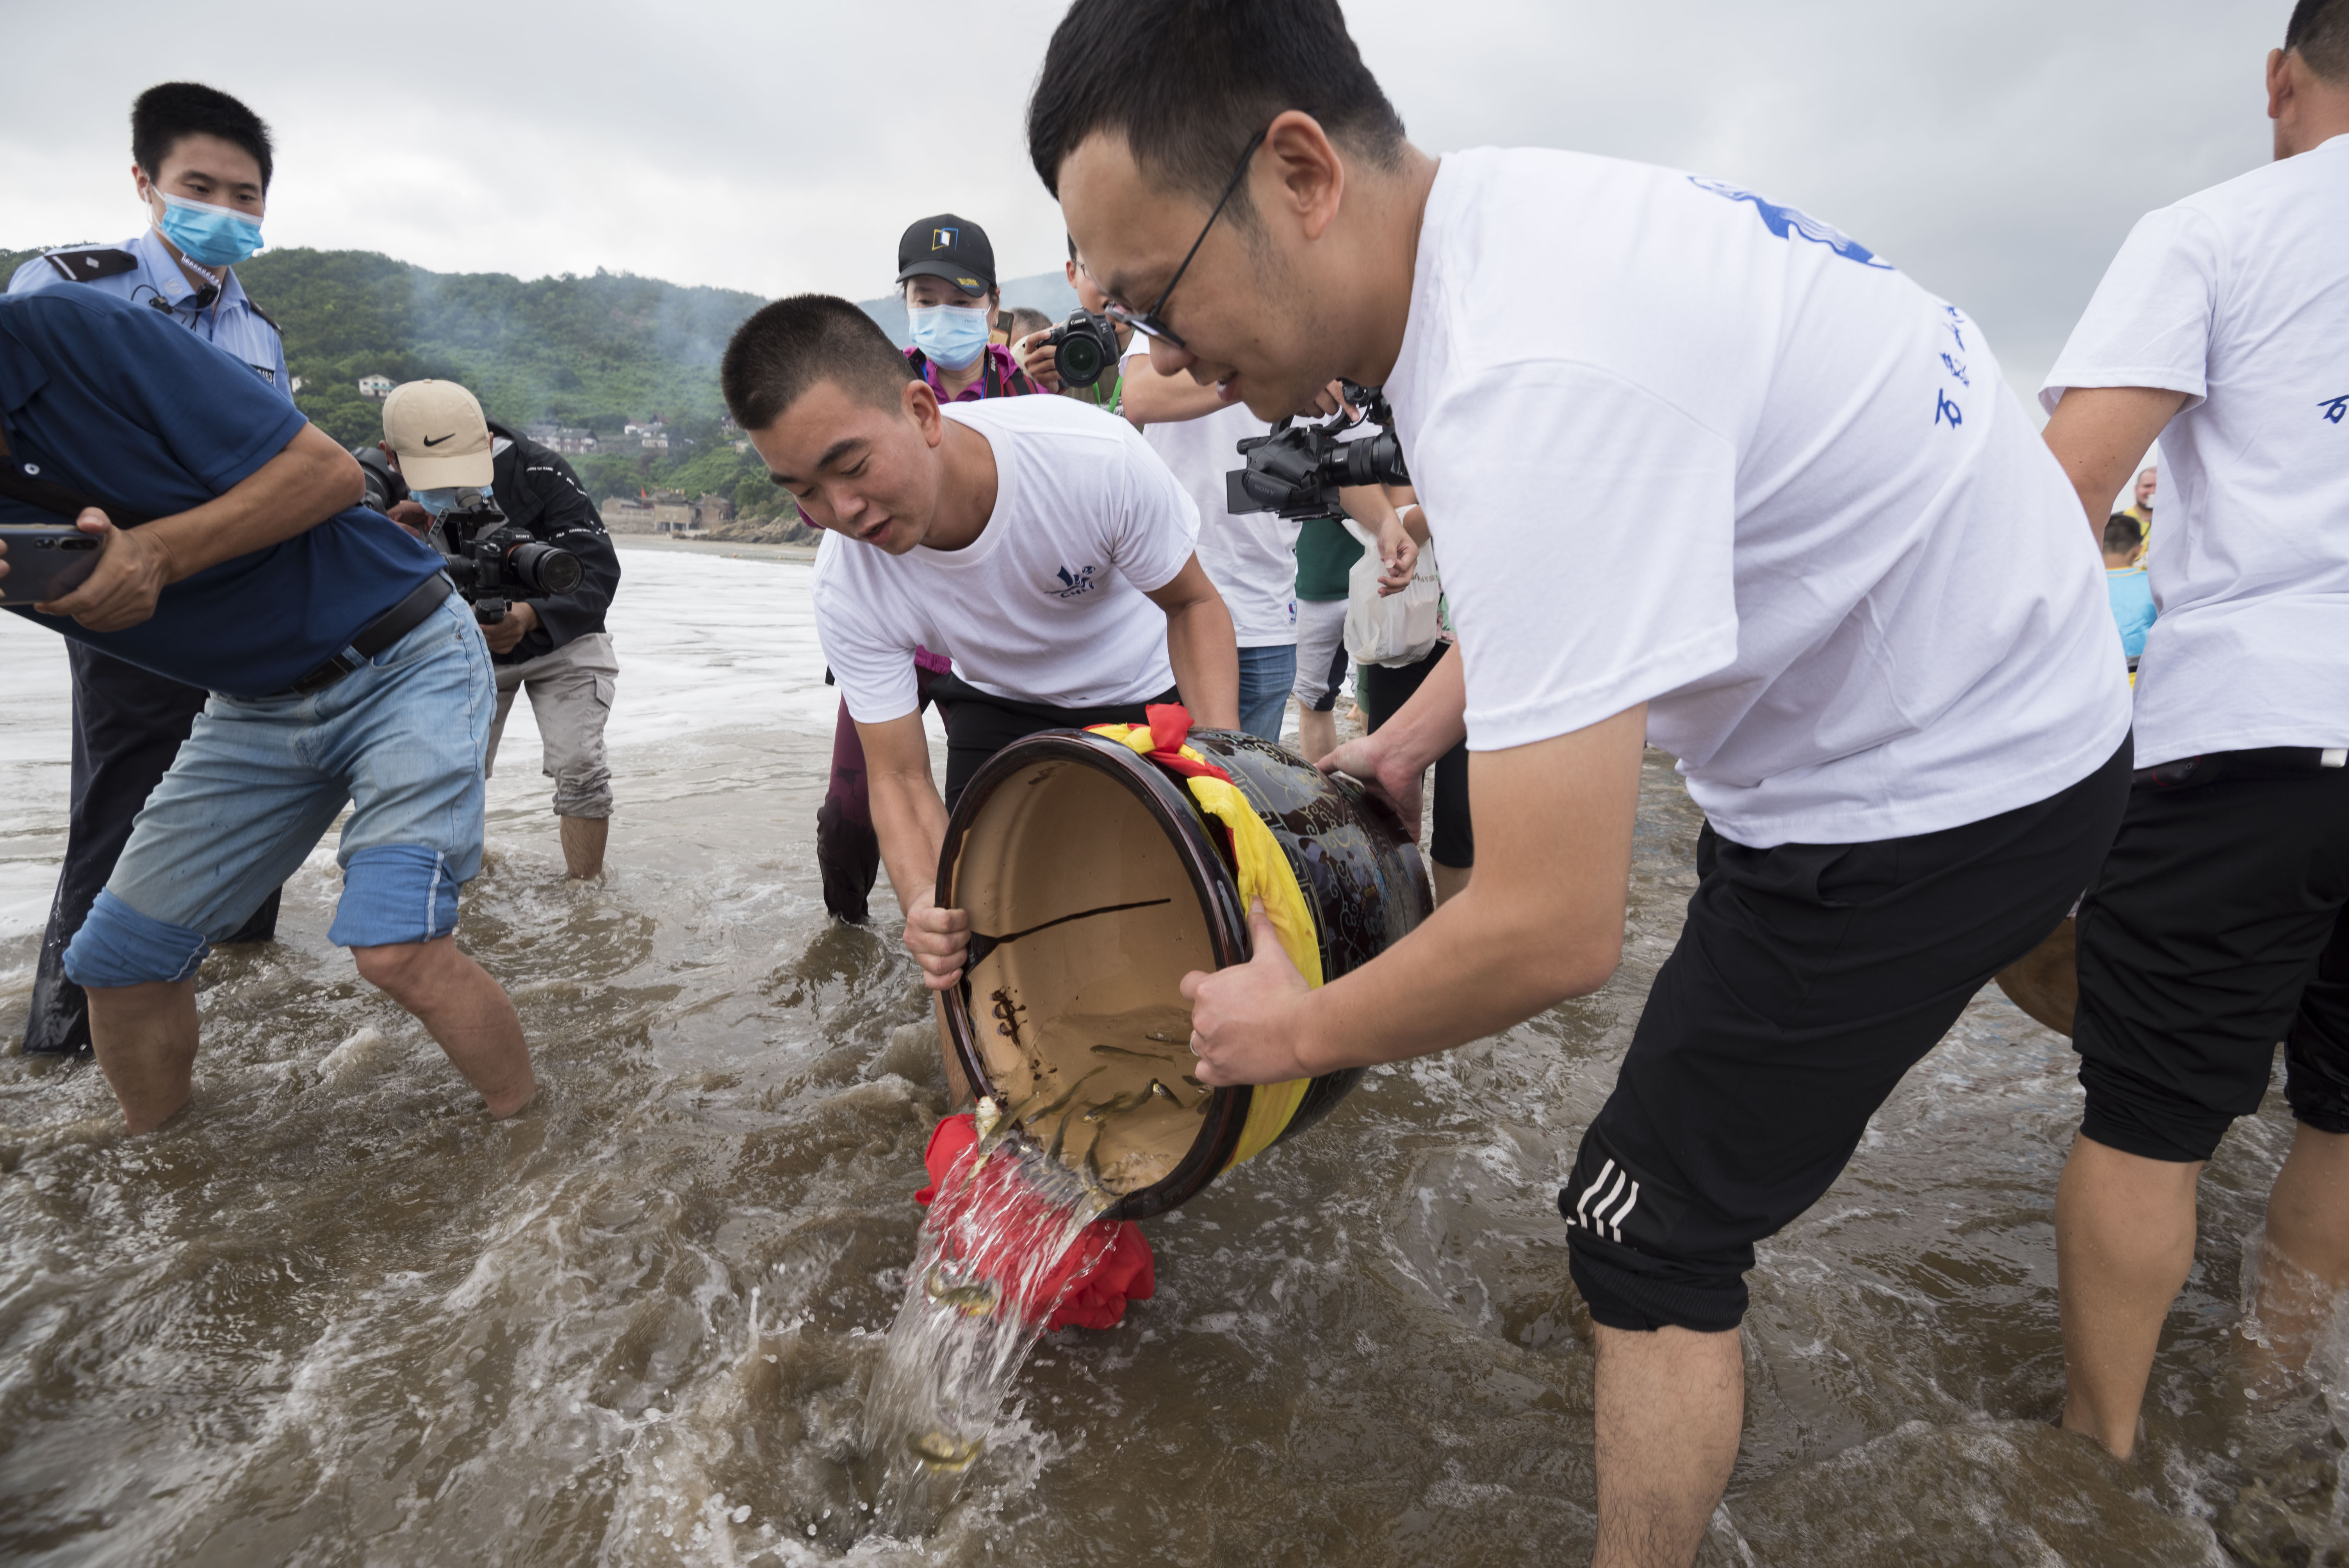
[(67, 503)]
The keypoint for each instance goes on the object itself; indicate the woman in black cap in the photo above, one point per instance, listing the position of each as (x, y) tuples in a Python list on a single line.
[(946, 269)]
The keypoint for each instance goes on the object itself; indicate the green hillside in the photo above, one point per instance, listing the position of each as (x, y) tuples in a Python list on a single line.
[(594, 352)]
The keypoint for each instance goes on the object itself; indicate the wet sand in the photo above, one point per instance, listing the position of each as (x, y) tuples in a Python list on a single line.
[(335, 1314)]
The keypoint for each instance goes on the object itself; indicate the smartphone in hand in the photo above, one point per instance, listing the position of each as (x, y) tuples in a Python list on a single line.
[(43, 561)]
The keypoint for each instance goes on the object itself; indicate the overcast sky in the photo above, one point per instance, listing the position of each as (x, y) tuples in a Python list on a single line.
[(1997, 150)]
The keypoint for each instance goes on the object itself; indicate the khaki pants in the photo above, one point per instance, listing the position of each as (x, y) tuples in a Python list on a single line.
[(570, 696)]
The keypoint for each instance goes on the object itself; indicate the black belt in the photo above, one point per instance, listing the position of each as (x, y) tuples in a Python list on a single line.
[(377, 635), (2257, 762)]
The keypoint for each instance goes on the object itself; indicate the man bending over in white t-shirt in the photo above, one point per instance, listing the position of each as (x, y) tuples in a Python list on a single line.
[(1043, 548), (2220, 925), (1816, 549)]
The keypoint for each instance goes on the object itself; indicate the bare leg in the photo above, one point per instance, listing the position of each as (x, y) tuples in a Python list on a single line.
[(466, 1011), (2124, 1242), (2307, 1246), (145, 1037), (582, 844), (1317, 734), (1449, 880), (1670, 1406)]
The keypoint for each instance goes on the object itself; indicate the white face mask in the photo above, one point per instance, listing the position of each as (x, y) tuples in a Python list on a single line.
[(951, 336)]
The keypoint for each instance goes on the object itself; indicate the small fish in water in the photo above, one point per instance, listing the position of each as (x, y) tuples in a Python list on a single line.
[(1163, 1092), (975, 1298), (1117, 1105), (1061, 1103), (989, 1115), (1137, 1055), (942, 1451)]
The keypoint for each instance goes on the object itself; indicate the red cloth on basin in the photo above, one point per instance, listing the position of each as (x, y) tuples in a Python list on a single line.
[(1106, 1266)]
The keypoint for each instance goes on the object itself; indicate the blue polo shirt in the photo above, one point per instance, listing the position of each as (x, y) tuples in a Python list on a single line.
[(121, 404)]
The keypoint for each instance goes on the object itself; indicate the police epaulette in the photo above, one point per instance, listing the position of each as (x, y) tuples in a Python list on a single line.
[(263, 316), (88, 267)]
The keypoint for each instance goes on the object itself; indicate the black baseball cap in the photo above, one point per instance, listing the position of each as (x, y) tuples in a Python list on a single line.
[(947, 247)]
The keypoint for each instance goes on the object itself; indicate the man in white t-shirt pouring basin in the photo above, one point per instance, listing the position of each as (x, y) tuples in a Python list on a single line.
[(1043, 549), (1817, 550)]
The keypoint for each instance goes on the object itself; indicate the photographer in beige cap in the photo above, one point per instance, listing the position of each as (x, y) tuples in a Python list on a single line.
[(477, 478)]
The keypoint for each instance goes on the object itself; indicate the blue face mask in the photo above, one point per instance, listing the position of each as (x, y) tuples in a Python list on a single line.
[(951, 336), (208, 235), (442, 501)]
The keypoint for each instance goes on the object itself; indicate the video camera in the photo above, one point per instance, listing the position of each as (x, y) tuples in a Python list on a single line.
[(1299, 470), (1083, 346), (385, 489), (492, 561)]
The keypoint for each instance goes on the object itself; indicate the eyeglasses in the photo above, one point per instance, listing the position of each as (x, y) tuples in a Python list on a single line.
[(1146, 322)]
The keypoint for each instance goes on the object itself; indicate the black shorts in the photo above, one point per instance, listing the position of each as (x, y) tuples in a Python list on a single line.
[(2216, 928), (1809, 979), (1385, 688), (980, 724)]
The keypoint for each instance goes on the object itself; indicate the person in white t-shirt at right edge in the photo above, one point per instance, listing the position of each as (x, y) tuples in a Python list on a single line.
[(2220, 924), (1816, 547)]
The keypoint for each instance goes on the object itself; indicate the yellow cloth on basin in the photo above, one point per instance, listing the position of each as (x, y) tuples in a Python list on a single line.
[(1264, 874)]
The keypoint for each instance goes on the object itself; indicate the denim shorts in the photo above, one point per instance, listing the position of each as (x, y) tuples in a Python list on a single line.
[(260, 780), (1266, 676)]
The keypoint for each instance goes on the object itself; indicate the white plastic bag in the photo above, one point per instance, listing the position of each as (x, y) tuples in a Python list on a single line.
[(1394, 628)]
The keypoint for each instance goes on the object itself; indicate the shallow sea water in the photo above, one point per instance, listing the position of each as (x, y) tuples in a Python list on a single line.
[(336, 1315)]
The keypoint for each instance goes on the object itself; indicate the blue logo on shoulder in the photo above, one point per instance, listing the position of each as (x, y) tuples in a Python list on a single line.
[(1785, 222), (1074, 583)]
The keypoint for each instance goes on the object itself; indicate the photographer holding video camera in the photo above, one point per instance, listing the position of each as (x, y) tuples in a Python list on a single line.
[(527, 549)]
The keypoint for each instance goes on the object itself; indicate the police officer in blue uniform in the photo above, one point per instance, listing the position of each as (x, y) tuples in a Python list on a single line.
[(202, 165)]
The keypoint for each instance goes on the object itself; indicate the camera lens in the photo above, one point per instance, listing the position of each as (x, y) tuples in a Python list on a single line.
[(1079, 359), (544, 568)]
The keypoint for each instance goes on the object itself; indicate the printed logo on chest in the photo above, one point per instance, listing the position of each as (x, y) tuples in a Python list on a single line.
[(1072, 585)]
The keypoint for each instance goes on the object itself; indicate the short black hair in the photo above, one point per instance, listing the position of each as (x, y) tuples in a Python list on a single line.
[(2122, 531), (1026, 318), (161, 115), (1188, 82), (2319, 33), (789, 345)]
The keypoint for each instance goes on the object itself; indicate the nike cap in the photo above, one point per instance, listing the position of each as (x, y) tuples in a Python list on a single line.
[(947, 247), (438, 431)]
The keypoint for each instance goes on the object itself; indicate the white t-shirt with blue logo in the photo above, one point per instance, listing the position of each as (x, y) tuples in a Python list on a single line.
[(1250, 556), (1047, 604), (2239, 297), (1682, 446)]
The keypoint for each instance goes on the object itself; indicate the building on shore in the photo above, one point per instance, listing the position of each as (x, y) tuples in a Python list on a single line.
[(628, 514)]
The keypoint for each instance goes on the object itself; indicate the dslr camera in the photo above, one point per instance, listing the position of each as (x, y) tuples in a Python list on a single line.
[(1299, 470), (1083, 346), (493, 561)]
